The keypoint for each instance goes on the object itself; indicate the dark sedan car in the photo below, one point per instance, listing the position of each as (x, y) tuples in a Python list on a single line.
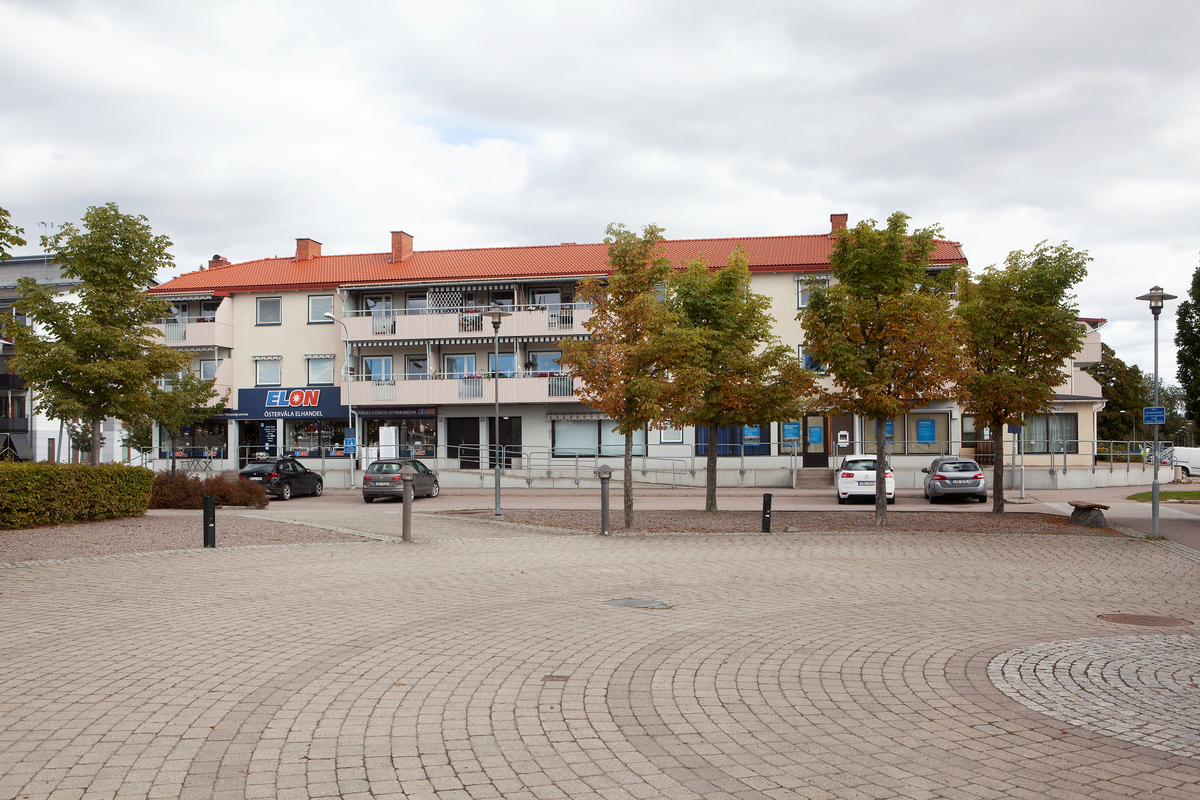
[(948, 477), (283, 477), (382, 479)]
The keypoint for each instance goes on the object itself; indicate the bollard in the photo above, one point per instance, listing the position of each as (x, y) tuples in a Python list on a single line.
[(605, 473), (210, 521), (766, 513), (407, 474)]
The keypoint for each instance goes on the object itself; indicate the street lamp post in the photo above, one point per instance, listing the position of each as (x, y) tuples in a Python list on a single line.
[(349, 402), (496, 312), (1155, 296)]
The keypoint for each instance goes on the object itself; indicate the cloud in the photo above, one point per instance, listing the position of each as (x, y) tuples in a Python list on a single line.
[(239, 126)]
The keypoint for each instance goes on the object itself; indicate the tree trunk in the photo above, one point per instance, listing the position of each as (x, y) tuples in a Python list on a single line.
[(998, 469), (880, 468), (710, 478), (97, 438), (172, 455), (628, 481)]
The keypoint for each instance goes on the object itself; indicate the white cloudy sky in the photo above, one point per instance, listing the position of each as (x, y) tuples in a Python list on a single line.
[(238, 126)]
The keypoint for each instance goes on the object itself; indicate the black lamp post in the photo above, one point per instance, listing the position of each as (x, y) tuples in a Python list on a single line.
[(1156, 296), (497, 313)]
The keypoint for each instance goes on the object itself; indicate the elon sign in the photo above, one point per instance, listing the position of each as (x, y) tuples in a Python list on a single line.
[(295, 398)]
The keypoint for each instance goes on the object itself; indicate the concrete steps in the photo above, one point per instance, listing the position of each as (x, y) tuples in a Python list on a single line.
[(814, 478)]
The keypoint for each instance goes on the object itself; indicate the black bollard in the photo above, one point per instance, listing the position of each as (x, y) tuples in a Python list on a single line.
[(407, 475), (605, 473), (766, 513), (210, 521)]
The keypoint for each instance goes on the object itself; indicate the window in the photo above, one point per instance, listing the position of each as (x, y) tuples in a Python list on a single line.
[(550, 298), (416, 304), (970, 434), (808, 362), (458, 366), (208, 369), (545, 363), (318, 306), (1052, 434), (671, 436), (377, 368), (320, 371), (508, 364), (416, 368), (504, 298), (267, 372), (270, 311), (208, 310), (804, 287), (589, 437), (379, 305), (754, 440)]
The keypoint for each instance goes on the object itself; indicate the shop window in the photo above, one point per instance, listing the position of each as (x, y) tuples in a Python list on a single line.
[(208, 439), (267, 373), (1054, 433), (318, 306), (573, 437), (927, 432), (306, 438), (732, 440), (407, 438), (269, 311)]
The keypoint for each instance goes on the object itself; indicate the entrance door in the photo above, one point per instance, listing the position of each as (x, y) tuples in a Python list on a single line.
[(462, 441), (510, 440), (816, 442), (256, 440)]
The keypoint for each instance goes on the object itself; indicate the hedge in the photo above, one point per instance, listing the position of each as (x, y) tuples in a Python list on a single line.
[(187, 491), (33, 495)]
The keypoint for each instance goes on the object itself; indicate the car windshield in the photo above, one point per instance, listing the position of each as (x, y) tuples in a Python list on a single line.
[(258, 469), (860, 465), (384, 468), (959, 466)]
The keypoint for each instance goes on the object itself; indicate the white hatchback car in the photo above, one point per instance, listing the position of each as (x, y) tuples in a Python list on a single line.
[(856, 477)]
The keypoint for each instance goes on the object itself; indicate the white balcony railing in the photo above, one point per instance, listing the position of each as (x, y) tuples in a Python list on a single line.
[(196, 331), (523, 388), (526, 320)]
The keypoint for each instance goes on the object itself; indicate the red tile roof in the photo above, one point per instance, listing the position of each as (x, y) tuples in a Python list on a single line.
[(808, 253)]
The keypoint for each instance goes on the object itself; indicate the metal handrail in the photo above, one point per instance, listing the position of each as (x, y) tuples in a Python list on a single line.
[(554, 308)]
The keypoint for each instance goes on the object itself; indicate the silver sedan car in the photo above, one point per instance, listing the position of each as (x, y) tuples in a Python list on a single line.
[(950, 477)]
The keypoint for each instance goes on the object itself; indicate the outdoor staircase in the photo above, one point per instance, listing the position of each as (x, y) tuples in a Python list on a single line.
[(814, 478)]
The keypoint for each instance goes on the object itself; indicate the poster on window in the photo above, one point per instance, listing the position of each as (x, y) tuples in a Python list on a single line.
[(791, 431), (889, 431), (750, 434), (816, 434), (389, 442), (926, 431)]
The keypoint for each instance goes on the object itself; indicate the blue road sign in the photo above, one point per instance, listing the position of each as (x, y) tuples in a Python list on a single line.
[(348, 445), (1154, 415)]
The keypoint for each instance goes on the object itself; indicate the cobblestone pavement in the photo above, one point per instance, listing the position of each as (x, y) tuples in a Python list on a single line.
[(484, 661)]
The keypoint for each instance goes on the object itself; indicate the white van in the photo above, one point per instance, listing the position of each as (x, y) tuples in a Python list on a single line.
[(1189, 459)]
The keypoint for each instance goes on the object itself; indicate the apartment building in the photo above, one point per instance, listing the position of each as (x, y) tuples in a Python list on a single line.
[(339, 359)]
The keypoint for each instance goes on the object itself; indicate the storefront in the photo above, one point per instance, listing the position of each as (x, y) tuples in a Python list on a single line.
[(305, 422), (400, 432)]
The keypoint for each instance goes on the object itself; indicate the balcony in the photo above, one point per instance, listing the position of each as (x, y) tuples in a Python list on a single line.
[(196, 332), (14, 425), (11, 381), (363, 393), (465, 323)]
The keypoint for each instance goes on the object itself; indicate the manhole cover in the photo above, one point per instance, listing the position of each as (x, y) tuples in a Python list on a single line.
[(1145, 621), (637, 603)]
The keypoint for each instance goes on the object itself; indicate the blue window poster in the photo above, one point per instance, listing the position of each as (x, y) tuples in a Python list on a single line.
[(926, 431), (791, 431), (750, 434), (816, 434), (889, 428)]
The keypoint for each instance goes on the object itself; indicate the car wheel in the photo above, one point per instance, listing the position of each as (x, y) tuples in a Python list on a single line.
[(841, 500), (285, 492), (933, 499), (983, 498), (891, 501), (435, 491), (367, 498), (1186, 474), (320, 488)]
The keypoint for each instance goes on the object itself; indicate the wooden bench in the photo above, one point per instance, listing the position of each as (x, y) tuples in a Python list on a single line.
[(1088, 514)]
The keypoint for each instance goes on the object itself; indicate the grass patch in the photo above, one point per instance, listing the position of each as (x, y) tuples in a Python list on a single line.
[(1145, 496)]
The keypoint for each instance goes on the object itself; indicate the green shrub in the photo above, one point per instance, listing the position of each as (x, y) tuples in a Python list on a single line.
[(32, 495), (187, 491)]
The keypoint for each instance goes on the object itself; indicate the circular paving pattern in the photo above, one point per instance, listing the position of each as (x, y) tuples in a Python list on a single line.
[(1140, 689)]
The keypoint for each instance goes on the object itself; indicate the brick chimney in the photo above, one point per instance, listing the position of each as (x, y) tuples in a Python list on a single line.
[(401, 246), (307, 249), (838, 222), (218, 261)]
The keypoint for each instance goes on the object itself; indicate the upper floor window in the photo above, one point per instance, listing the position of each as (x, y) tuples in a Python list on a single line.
[(320, 370), (208, 369), (808, 362), (804, 288), (270, 311), (318, 306), (267, 371), (544, 362)]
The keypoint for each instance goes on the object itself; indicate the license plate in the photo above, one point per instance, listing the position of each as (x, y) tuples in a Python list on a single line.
[(866, 483), (959, 482)]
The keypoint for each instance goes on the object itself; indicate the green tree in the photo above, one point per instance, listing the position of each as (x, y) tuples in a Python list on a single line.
[(97, 356), (625, 365), (186, 400), (10, 235), (884, 329), (1121, 385), (1020, 326), (734, 372), (1187, 344)]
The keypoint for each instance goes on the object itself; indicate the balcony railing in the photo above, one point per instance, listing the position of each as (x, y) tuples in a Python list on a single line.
[(521, 388), (526, 320), (196, 331), (11, 381), (14, 424)]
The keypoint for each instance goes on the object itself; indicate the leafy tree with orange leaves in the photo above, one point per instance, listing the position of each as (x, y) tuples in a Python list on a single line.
[(884, 328), (625, 364), (734, 370)]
